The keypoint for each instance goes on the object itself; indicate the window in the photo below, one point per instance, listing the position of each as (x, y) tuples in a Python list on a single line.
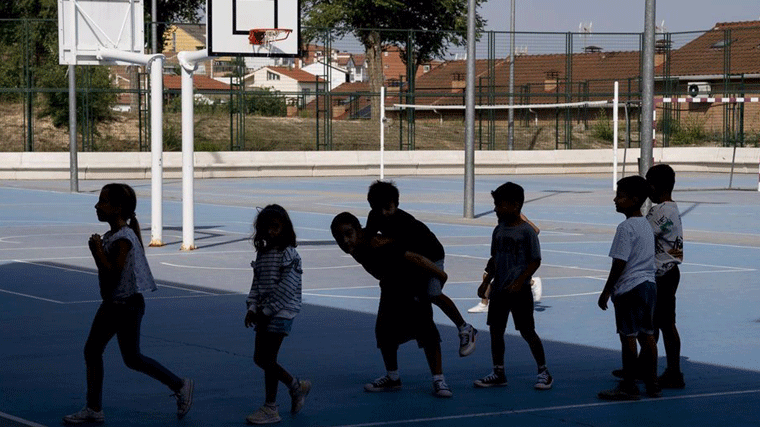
[(426, 68), (720, 44), (272, 76)]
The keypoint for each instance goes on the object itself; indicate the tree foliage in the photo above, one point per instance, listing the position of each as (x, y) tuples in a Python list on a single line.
[(380, 23)]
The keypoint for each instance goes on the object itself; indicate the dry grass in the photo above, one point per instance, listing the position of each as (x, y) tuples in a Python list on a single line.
[(212, 133)]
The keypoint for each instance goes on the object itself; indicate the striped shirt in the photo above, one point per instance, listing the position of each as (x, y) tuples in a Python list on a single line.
[(276, 287)]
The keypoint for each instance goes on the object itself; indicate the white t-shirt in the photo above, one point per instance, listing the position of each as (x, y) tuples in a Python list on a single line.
[(634, 244), (136, 276), (665, 220)]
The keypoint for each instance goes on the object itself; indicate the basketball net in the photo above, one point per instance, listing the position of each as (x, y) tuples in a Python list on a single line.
[(262, 38)]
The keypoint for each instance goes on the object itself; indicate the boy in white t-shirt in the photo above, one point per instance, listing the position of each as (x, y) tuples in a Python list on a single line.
[(665, 220), (631, 285)]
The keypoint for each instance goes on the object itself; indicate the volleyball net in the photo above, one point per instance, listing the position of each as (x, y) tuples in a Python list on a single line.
[(592, 124)]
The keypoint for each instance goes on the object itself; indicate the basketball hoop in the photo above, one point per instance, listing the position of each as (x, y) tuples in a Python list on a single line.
[(264, 37)]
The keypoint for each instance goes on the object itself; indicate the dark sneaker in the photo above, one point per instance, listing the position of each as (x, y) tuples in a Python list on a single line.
[(621, 392), (671, 379), (86, 415), (298, 395), (544, 380), (441, 389), (264, 415), (619, 373), (383, 384), (467, 340), (184, 397), (494, 379), (653, 390)]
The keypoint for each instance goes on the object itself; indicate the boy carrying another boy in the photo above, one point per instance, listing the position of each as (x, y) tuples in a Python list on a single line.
[(404, 312), (386, 218), (517, 255), (631, 286)]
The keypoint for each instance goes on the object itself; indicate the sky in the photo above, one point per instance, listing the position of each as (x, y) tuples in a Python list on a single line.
[(626, 16)]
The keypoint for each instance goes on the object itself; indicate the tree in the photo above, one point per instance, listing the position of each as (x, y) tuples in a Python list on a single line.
[(171, 11), (442, 23)]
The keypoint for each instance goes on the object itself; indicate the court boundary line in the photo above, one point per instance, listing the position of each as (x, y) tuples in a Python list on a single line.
[(19, 420), (548, 409)]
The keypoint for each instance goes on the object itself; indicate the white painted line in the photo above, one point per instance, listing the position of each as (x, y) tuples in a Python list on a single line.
[(340, 296), (341, 289), (198, 267), (31, 296), (20, 420), (93, 273), (432, 420)]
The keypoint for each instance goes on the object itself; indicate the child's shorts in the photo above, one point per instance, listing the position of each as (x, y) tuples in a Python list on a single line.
[(665, 309), (435, 287), (275, 325), (634, 310), (520, 304)]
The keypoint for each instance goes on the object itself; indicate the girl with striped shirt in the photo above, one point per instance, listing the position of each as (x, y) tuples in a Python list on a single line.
[(273, 302)]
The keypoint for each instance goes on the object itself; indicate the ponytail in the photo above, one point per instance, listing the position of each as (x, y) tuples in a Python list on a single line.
[(135, 226)]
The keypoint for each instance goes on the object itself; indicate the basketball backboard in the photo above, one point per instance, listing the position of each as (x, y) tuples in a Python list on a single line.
[(86, 26), (230, 21)]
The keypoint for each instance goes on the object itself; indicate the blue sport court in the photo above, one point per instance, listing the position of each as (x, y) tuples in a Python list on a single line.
[(194, 322)]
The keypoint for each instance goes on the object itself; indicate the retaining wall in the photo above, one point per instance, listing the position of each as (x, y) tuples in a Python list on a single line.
[(137, 165)]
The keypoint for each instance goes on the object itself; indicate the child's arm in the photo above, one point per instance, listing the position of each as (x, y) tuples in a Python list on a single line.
[(533, 226), (289, 287), (530, 269), (113, 266), (483, 289), (427, 265), (615, 271)]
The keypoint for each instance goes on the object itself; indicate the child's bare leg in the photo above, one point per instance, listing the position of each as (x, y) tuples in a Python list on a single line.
[(648, 357), (433, 356), (265, 356), (390, 358), (536, 346), (672, 342), (497, 346), (629, 353), (448, 308)]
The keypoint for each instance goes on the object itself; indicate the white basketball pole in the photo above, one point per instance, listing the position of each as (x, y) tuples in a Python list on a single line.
[(73, 163), (469, 127), (382, 132), (189, 63), (157, 150), (155, 63), (615, 106)]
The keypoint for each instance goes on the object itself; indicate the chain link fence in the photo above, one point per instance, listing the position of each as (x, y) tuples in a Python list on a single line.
[(324, 100)]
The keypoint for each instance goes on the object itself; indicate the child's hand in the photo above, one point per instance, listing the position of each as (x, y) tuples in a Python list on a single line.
[(603, 298), (95, 243), (482, 290), (443, 277), (250, 318)]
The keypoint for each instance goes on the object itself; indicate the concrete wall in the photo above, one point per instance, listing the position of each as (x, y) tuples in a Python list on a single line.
[(136, 165)]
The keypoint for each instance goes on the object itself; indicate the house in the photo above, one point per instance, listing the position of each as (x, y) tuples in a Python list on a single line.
[(338, 74), (296, 85), (357, 68)]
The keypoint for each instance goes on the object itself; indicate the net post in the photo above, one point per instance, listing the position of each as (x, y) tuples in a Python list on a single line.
[(382, 132), (615, 106)]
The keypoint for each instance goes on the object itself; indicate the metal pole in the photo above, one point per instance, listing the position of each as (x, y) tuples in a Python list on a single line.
[(156, 149), (615, 105), (469, 126), (647, 90), (382, 132), (154, 26), (188, 156), (511, 125), (73, 164)]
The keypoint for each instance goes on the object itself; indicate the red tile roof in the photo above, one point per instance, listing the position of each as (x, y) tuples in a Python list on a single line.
[(174, 82), (296, 74)]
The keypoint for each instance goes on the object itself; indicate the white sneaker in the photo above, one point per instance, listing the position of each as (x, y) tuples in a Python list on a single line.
[(264, 415), (480, 308), (184, 397), (535, 287), (86, 415)]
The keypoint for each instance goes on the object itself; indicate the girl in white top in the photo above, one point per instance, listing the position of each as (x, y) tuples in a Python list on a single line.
[(273, 302), (123, 274)]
